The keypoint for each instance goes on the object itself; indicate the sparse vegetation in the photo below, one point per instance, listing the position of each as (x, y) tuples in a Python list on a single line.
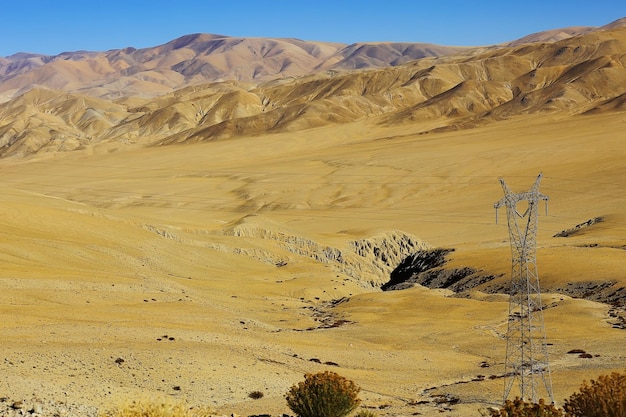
[(325, 394), (365, 413), (605, 397), (159, 409), (521, 408)]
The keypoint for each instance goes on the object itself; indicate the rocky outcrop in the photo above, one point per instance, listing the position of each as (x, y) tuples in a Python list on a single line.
[(579, 227), (427, 268), (369, 260), (602, 291), (386, 251)]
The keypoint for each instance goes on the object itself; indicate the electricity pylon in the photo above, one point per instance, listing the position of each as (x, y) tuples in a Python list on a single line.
[(526, 363)]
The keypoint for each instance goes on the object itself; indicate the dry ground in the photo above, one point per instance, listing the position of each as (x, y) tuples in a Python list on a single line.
[(180, 271)]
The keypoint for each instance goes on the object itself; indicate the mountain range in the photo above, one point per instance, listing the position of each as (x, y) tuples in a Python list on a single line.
[(205, 87), (197, 58), (208, 57)]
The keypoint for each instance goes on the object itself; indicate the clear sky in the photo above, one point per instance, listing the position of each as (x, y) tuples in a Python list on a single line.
[(55, 26)]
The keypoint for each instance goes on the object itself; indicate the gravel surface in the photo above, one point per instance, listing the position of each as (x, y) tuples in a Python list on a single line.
[(36, 407)]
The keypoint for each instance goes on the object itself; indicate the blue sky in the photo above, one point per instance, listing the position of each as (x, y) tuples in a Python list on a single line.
[(52, 27)]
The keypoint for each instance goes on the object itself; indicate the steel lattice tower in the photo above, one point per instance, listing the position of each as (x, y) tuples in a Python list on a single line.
[(526, 363)]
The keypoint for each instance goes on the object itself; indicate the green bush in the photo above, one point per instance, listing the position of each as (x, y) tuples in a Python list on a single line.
[(324, 394), (521, 408), (605, 397)]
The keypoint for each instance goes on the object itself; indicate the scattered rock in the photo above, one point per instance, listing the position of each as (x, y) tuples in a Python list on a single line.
[(44, 408), (420, 402), (579, 227), (618, 318), (581, 353), (445, 399)]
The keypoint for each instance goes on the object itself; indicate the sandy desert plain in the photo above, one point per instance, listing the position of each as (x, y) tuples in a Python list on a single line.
[(205, 270)]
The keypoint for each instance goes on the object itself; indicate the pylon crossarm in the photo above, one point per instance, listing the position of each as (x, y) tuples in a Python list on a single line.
[(535, 188)]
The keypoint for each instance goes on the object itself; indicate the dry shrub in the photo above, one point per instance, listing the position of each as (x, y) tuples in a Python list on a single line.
[(255, 395), (605, 397), (365, 413), (159, 409), (521, 408), (325, 394)]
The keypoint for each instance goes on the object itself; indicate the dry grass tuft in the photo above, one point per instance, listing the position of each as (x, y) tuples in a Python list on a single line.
[(155, 408)]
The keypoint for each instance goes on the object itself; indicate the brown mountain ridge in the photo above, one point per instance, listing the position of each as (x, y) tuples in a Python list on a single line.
[(577, 75), (197, 58)]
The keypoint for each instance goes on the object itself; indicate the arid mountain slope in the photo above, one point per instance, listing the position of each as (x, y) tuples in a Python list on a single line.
[(581, 74), (48, 119), (197, 58), (555, 35), (201, 58)]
